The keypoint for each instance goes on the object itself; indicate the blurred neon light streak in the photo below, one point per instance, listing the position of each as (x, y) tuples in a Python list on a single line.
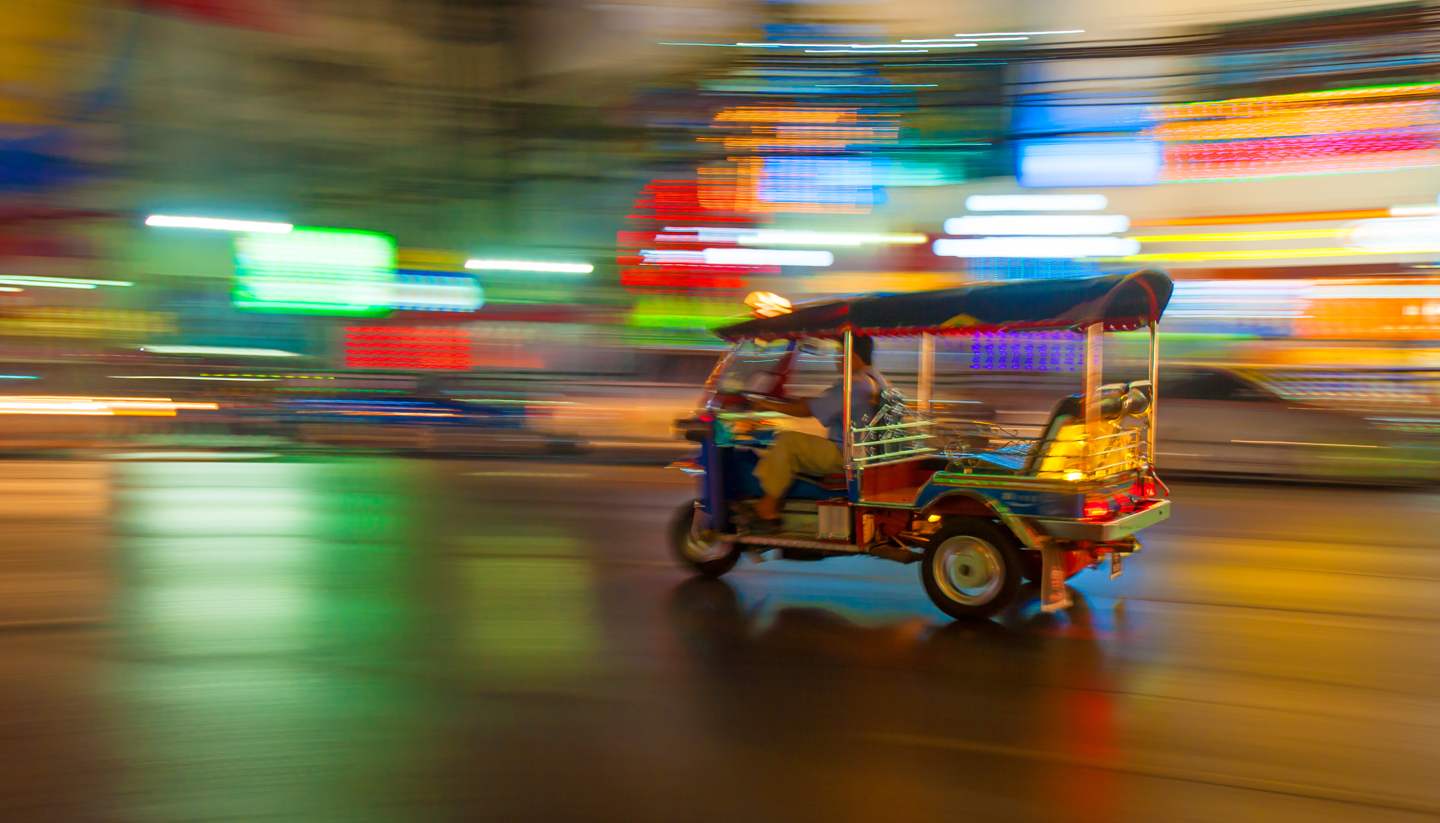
[(848, 46), (232, 351), (1258, 254), (48, 279), (1025, 33), (1295, 121), (189, 377), (46, 282), (1038, 224), (1422, 210), (71, 405), (876, 86), (1304, 443), (1389, 235), (1036, 202), (867, 51), (11, 289), (19, 377), (529, 265), (784, 237), (765, 114), (1037, 247), (172, 221), (1278, 217), (1089, 162), (1362, 291), (768, 257), (1244, 105), (1241, 236), (976, 39)]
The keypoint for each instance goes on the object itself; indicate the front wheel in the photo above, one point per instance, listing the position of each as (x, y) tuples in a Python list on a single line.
[(971, 569), (696, 545)]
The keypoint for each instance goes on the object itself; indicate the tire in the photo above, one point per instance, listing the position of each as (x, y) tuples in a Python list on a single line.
[(972, 568), (693, 552)]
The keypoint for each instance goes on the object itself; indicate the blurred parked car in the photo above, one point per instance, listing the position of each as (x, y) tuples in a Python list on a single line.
[(1219, 420), (427, 425)]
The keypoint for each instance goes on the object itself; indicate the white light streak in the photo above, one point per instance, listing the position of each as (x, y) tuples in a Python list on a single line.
[(1414, 211), (843, 46), (1037, 247), (1024, 33), (38, 281), (768, 257), (1396, 235), (1376, 292), (966, 39), (785, 237), (173, 221), (1036, 202), (190, 377), (866, 51), (97, 406), (232, 351), (530, 265), (1039, 224)]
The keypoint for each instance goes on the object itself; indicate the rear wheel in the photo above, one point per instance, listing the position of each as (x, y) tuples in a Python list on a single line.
[(972, 568), (695, 544)]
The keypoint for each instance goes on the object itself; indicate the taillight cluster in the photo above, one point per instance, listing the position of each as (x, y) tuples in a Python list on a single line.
[(1106, 506), (1097, 507)]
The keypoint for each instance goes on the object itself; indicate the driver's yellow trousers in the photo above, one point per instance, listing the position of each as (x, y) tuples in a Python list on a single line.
[(794, 453)]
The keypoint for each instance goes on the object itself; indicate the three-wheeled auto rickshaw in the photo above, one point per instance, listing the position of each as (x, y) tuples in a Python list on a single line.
[(979, 506)]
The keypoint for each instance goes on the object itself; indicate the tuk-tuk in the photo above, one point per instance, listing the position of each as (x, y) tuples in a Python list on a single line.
[(978, 505)]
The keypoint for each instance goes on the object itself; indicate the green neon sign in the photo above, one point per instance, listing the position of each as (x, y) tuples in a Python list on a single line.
[(315, 271)]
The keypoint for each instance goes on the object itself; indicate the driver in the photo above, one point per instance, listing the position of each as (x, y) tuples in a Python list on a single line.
[(795, 452)]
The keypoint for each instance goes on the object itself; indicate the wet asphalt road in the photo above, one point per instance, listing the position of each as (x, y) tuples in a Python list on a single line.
[(383, 639)]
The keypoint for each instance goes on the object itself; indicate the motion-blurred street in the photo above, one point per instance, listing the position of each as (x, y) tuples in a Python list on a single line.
[(381, 639)]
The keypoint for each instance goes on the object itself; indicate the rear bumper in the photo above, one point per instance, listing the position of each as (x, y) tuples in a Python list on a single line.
[(1105, 531)]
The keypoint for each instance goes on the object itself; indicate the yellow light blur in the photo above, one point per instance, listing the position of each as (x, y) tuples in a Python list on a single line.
[(768, 304), (1244, 105)]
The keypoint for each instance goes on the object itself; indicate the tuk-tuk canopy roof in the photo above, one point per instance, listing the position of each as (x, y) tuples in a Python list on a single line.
[(1120, 301)]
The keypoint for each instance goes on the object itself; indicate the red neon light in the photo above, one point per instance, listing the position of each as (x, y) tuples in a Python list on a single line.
[(412, 347)]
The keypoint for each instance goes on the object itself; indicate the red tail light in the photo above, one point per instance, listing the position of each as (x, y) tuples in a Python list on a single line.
[(1096, 508)]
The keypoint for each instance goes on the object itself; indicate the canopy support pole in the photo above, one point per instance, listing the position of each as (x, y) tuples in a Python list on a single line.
[(925, 381), (848, 381), (1094, 370), (1154, 392)]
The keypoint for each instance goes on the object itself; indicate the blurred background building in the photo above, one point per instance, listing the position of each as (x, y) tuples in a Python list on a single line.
[(552, 192)]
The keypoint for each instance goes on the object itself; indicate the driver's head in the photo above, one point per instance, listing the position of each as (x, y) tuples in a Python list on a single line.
[(864, 348)]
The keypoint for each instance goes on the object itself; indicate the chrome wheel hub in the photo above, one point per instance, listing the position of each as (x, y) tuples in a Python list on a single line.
[(968, 570)]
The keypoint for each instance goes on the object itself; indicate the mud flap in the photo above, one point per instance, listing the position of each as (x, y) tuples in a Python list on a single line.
[(1054, 596)]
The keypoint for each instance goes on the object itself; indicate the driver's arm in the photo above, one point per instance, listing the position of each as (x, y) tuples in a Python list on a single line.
[(792, 407)]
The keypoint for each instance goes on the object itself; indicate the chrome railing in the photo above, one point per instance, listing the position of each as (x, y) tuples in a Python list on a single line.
[(893, 442)]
